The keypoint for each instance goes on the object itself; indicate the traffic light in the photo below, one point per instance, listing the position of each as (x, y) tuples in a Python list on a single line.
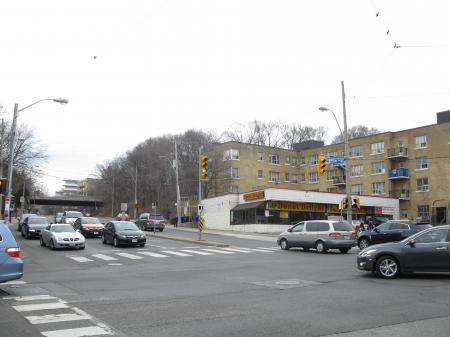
[(203, 167), (356, 203), (321, 165), (345, 203), (2, 185)]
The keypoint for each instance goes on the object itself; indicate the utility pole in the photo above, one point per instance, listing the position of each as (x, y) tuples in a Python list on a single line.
[(11, 161), (346, 157), (178, 187), (1, 159), (199, 191), (135, 192), (112, 197)]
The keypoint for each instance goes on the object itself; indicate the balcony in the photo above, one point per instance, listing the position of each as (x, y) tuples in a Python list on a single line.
[(397, 174), (400, 194), (338, 181), (398, 153)]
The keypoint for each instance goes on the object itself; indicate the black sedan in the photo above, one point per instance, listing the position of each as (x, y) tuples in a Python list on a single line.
[(33, 225), (123, 233), (427, 251), (390, 231)]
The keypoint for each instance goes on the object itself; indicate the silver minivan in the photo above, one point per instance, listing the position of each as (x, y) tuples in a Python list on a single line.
[(319, 234)]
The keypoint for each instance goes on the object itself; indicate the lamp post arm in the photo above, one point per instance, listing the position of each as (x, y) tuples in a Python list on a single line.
[(29, 105)]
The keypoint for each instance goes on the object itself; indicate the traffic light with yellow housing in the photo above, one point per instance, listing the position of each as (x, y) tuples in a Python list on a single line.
[(321, 165), (356, 203), (345, 203), (204, 168)]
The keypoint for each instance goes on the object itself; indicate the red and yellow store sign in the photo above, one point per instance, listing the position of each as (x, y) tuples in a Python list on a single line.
[(308, 207), (254, 196)]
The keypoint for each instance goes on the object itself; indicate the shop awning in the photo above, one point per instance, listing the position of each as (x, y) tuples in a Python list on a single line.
[(249, 205)]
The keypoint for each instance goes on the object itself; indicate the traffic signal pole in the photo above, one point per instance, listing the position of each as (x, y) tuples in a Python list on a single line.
[(347, 166), (178, 187), (199, 189)]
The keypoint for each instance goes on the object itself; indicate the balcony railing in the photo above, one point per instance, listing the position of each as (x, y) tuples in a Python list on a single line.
[(400, 173), (400, 194), (338, 181), (400, 153)]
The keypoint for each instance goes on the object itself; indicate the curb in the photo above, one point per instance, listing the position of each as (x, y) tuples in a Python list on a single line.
[(178, 238)]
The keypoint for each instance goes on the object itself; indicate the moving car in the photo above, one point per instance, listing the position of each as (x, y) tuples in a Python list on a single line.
[(122, 217), (319, 234), (427, 251), (33, 225), (89, 226), (123, 233), (150, 221), (62, 236), (22, 219), (390, 231), (58, 217), (69, 217), (11, 265)]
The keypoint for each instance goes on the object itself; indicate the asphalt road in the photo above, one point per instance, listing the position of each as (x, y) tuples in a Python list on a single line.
[(172, 288)]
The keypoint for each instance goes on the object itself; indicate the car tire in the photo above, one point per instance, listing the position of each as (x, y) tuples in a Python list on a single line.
[(387, 267), (103, 239), (363, 243), (320, 247), (82, 247), (344, 250), (142, 244), (41, 241), (115, 242), (52, 245), (284, 244), (161, 230)]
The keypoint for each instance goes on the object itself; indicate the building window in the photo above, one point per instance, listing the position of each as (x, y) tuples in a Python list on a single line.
[(260, 174), (421, 142), (421, 163), (231, 154), (287, 160), (313, 177), (302, 161), (403, 214), (377, 148), (294, 161), (331, 174), (422, 184), (230, 189), (356, 151), (357, 189), (286, 177), (302, 177), (356, 170), (274, 176), (294, 179), (274, 159), (260, 156), (377, 167), (423, 212), (313, 159), (231, 173), (378, 187)]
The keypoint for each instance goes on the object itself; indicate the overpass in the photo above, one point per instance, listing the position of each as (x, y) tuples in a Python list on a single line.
[(68, 200)]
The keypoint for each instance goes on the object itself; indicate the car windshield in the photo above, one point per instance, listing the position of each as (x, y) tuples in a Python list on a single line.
[(93, 221), (62, 229), (126, 226), (36, 220), (342, 226), (74, 215)]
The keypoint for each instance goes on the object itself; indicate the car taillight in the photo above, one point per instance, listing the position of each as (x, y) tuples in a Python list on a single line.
[(163, 222), (13, 252), (148, 222), (335, 235)]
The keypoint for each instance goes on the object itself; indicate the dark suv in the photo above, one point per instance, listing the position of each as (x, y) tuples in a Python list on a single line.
[(390, 231)]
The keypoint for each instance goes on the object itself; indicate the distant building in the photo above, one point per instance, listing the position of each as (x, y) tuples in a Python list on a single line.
[(88, 187), (69, 187)]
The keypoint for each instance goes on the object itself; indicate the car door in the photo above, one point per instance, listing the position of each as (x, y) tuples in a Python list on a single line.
[(309, 236), (45, 234), (381, 233), (107, 232), (295, 234), (429, 251)]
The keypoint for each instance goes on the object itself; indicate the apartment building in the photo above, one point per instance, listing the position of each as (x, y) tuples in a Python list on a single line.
[(411, 165)]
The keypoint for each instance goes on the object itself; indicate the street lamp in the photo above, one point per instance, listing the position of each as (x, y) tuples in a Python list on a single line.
[(11, 145), (346, 152)]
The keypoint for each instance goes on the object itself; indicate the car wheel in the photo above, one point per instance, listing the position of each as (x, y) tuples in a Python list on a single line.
[(387, 267), (116, 242), (24, 233), (142, 244), (284, 244), (103, 239), (82, 247), (42, 242), (320, 247), (161, 230), (344, 250), (363, 243), (52, 245)]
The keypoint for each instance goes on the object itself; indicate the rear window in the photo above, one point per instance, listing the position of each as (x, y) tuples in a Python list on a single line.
[(342, 226), (90, 221), (423, 226), (36, 220), (156, 217), (74, 215)]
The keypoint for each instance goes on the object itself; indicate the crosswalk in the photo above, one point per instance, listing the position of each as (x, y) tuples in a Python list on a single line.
[(143, 255), (54, 317)]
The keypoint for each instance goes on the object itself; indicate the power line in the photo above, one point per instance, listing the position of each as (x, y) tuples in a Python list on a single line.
[(401, 96)]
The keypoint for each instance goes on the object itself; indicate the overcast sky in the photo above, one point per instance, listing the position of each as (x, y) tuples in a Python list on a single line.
[(138, 69)]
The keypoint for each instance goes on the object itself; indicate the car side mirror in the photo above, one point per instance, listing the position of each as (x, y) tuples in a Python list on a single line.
[(376, 230), (289, 230), (412, 243)]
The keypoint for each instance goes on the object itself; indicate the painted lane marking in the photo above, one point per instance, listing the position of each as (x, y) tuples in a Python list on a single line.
[(80, 259), (30, 298), (41, 306), (238, 250), (217, 251), (56, 318), (196, 252), (78, 332), (258, 250), (104, 257), (153, 254), (175, 253), (14, 282), (130, 256)]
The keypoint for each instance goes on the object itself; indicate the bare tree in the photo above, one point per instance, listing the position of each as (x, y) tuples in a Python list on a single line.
[(356, 132)]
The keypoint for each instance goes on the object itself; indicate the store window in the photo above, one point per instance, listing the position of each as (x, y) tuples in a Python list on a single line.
[(377, 148), (421, 142)]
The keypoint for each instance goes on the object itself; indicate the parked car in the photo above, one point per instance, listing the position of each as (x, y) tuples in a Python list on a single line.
[(58, 217), (22, 219), (33, 225), (150, 221), (62, 236), (70, 216), (11, 265), (427, 251), (123, 233), (122, 217), (319, 234), (89, 226), (376, 220), (390, 231)]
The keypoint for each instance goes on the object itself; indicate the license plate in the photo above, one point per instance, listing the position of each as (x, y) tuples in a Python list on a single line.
[(95, 233), (134, 240), (346, 236)]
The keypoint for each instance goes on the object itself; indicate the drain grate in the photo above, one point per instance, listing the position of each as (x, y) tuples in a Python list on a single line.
[(286, 284)]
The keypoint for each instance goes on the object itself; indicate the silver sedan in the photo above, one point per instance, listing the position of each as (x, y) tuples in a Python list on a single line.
[(62, 236)]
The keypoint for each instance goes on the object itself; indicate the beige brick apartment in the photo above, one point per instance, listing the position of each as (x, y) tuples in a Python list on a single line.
[(412, 165)]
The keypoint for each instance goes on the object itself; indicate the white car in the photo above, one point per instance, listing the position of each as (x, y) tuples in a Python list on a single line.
[(70, 216), (62, 236)]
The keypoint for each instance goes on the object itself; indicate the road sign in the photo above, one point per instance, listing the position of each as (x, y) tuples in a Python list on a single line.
[(123, 207), (201, 224), (335, 161)]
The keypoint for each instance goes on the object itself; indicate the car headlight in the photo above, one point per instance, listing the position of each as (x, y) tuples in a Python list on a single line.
[(121, 236), (367, 253), (142, 236)]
